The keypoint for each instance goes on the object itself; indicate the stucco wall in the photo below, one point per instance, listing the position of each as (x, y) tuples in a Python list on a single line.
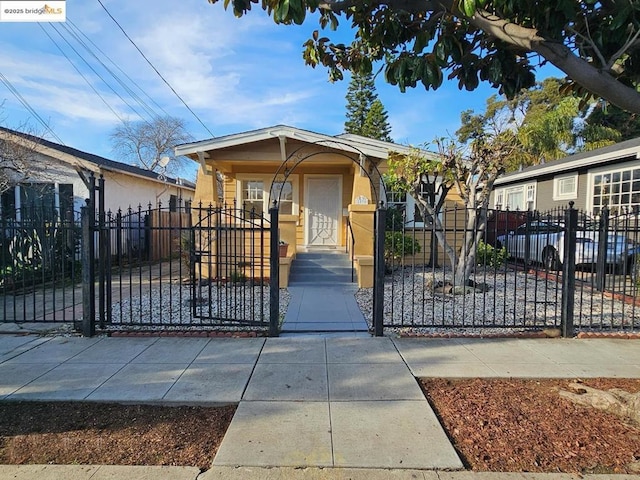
[(124, 191)]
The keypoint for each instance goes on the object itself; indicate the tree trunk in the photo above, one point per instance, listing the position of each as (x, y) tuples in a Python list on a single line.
[(616, 401)]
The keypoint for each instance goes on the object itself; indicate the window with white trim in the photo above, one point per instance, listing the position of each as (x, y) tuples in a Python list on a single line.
[(253, 197), (617, 189), (565, 187), (498, 199), (254, 194), (45, 200), (408, 206), (519, 197)]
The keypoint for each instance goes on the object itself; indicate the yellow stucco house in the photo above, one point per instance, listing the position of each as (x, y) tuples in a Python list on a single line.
[(329, 185)]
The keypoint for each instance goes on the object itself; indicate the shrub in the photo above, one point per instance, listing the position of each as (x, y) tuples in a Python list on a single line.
[(396, 246), (488, 255)]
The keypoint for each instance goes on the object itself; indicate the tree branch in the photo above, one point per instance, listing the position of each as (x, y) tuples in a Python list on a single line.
[(597, 81)]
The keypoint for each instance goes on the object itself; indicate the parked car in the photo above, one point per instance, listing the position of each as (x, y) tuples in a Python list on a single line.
[(546, 246)]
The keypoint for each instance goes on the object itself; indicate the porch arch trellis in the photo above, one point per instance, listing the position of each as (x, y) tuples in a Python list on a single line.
[(296, 158)]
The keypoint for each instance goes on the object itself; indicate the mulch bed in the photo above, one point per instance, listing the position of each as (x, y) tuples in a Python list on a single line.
[(522, 425), (113, 434)]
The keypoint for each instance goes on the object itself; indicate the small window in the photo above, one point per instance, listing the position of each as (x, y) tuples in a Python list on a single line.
[(285, 191), (565, 188), (173, 203), (499, 199), (65, 191), (253, 197)]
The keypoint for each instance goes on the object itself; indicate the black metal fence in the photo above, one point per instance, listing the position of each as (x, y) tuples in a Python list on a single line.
[(39, 265), (159, 268), (216, 268), (562, 269), (197, 268)]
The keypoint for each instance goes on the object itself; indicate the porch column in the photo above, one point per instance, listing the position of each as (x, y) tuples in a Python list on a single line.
[(206, 188)]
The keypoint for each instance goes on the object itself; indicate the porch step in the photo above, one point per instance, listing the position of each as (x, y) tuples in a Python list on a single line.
[(321, 268)]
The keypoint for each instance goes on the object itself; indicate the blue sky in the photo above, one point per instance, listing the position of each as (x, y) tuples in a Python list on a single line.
[(235, 74)]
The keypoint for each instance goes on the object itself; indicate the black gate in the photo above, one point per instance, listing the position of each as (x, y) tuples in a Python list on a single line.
[(230, 266), (197, 269)]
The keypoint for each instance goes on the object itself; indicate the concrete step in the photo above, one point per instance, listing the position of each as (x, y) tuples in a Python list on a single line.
[(324, 267), (319, 279), (321, 270)]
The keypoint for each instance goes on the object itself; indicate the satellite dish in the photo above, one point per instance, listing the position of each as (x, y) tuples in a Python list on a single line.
[(164, 161)]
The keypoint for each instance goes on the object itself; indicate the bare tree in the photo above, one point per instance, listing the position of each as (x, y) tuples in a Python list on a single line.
[(146, 144), (472, 173), (17, 151)]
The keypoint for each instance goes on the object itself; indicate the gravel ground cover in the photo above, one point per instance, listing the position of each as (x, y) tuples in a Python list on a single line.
[(171, 305), (513, 302)]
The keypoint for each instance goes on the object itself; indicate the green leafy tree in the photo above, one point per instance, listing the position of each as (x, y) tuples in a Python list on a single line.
[(501, 42), (421, 175), (366, 115), (604, 124), (545, 121)]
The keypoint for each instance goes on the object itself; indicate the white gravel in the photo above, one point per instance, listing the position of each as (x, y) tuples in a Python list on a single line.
[(514, 302), (171, 305)]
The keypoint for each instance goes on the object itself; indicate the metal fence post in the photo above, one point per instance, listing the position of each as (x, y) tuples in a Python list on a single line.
[(569, 271), (88, 273), (378, 270), (274, 274), (603, 231)]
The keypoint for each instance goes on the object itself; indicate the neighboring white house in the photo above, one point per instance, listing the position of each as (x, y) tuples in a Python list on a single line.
[(57, 177), (607, 176)]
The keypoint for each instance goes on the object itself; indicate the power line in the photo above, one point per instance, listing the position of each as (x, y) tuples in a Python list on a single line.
[(91, 68), (155, 69), (92, 46), (26, 105)]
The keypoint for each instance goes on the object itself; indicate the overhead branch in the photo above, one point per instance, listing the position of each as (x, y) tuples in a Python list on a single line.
[(597, 81)]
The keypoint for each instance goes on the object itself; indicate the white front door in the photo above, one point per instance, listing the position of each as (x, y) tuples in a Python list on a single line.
[(323, 210)]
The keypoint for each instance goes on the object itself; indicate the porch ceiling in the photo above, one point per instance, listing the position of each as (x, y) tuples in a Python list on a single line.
[(269, 154)]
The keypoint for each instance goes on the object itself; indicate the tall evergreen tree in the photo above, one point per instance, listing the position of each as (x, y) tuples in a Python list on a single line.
[(376, 125), (366, 115)]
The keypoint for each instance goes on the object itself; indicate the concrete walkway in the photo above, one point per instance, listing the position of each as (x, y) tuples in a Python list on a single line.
[(308, 407), (323, 309)]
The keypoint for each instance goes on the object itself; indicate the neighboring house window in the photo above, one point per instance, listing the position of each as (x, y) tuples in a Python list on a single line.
[(499, 199), (173, 203), (37, 200), (407, 203), (531, 196), (520, 197), (619, 190), (566, 187)]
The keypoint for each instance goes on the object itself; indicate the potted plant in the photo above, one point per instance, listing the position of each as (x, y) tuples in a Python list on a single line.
[(283, 247)]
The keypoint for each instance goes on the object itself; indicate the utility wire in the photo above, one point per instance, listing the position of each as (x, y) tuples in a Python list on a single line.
[(155, 69), (91, 68), (26, 105), (152, 114), (93, 46)]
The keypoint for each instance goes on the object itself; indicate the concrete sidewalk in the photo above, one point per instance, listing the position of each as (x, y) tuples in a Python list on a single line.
[(308, 407)]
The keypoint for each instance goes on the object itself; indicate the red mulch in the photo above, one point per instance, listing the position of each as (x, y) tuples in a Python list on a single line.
[(518, 425), (93, 433)]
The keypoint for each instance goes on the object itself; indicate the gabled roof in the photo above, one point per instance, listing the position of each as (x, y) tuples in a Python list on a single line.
[(345, 142), (89, 161), (606, 154)]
